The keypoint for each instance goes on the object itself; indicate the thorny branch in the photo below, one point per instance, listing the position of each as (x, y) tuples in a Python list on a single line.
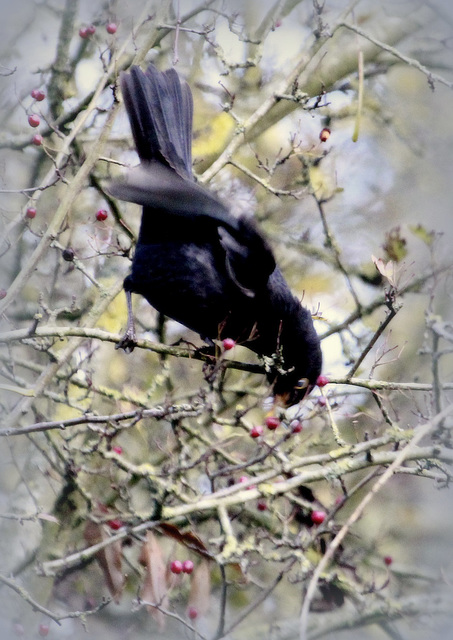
[(23, 593)]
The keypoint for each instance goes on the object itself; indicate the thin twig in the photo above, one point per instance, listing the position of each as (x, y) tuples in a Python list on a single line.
[(392, 313), (261, 598), (381, 301), (331, 243), (412, 62), (172, 614), (158, 413), (105, 336), (420, 433), (264, 183), (220, 633), (23, 593)]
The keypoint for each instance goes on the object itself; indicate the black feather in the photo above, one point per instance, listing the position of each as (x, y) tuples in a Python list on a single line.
[(194, 261)]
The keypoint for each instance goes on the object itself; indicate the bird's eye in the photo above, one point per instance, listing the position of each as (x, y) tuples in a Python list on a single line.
[(302, 383)]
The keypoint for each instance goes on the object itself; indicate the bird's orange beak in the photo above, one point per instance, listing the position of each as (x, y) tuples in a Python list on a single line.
[(296, 395)]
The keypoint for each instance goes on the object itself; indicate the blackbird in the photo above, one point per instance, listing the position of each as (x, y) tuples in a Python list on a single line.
[(194, 260)]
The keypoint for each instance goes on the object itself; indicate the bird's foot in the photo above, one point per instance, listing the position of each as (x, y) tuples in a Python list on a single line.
[(128, 342)]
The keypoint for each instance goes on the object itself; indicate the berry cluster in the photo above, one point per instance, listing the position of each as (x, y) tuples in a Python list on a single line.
[(33, 119), (87, 32), (178, 567), (272, 423), (38, 95)]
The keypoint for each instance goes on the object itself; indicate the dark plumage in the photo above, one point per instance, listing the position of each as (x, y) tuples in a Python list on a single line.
[(194, 261)]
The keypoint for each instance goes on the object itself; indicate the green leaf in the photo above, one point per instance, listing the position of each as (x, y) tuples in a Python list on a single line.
[(423, 234)]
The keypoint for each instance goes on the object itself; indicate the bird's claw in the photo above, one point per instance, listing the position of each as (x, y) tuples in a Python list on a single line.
[(128, 342)]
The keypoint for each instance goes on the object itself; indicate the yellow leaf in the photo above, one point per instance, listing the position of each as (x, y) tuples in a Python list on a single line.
[(423, 234), (322, 184)]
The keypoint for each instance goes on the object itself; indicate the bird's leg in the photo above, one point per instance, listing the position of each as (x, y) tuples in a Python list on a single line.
[(129, 340)]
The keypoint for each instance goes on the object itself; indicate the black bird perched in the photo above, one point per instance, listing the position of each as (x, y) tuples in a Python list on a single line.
[(194, 261)]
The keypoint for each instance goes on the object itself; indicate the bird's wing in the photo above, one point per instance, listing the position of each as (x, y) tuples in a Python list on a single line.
[(156, 186), (248, 257), (249, 260)]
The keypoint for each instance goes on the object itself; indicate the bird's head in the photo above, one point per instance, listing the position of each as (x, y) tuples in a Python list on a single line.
[(301, 357), (287, 394)]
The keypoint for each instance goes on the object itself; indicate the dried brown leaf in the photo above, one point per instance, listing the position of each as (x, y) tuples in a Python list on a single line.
[(109, 558), (189, 539), (155, 587), (92, 533)]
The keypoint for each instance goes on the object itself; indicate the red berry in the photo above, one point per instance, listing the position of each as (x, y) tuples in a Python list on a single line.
[(228, 344), (187, 566), (38, 94), (272, 422), (37, 139), (295, 426), (101, 215), (322, 381), (111, 28), (115, 524), (34, 120), (117, 449), (43, 630), (324, 134), (317, 517), (256, 431), (91, 29), (83, 33), (192, 612), (3, 293), (261, 505), (388, 560), (176, 566), (30, 213)]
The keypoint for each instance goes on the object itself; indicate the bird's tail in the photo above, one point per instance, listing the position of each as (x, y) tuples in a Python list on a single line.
[(160, 109)]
